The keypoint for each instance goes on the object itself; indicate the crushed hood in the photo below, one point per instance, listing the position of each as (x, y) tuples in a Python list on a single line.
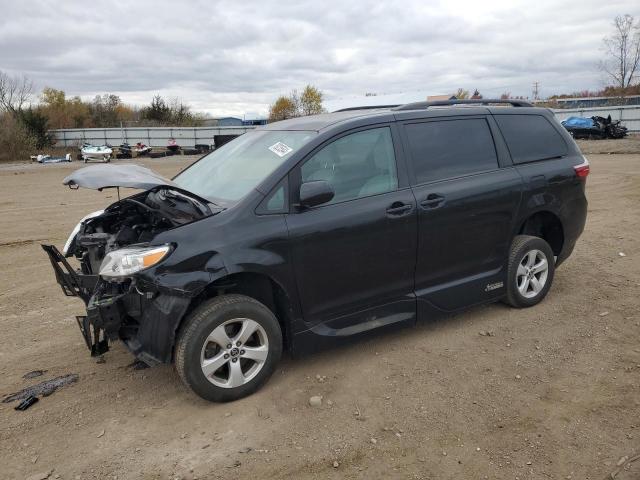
[(97, 177)]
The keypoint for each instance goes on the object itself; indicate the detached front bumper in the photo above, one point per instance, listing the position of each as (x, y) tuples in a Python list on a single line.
[(73, 283), (144, 318)]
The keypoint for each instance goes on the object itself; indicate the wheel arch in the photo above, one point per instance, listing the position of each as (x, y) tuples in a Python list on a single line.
[(260, 287), (546, 225)]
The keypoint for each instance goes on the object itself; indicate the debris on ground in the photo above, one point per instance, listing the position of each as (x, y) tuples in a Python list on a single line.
[(316, 401), (34, 374), (623, 463), (26, 403), (138, 365), (43, 389), (604, 314), (486, 333), (100, 434)]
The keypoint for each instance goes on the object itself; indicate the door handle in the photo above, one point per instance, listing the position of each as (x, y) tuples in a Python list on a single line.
[(398, 209), (432, 201)]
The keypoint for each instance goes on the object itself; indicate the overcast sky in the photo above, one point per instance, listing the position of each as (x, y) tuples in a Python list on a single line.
[(235, 57)]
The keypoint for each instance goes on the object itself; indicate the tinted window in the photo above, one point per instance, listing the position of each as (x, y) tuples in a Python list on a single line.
[(531, 137), (356, 165), (450, 148)]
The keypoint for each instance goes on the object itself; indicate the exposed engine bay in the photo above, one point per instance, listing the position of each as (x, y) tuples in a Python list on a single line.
[(114, 244), (132, 221)]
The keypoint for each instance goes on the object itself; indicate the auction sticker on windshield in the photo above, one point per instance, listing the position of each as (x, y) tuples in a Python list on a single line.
[(280, 149)]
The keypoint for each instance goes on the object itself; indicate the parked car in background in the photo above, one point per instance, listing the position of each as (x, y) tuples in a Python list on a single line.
[(309, 231)]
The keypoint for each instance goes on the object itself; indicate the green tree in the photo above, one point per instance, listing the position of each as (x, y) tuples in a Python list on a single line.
[(173, 112), (158, 111), (35, 124)]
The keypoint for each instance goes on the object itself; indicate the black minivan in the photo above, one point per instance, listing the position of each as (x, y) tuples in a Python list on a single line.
[(310, 230)]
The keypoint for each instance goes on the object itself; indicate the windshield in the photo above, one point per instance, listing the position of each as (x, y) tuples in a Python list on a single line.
[(234, 169)]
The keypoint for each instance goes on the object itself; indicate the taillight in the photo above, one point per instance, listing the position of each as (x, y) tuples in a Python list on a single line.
[(582, 170)]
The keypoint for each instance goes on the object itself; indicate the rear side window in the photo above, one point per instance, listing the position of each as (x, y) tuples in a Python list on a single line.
[(450, 148), (531, 138)]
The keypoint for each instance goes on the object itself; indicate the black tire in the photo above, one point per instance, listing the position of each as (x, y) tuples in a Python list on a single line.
[(521, 247), (192, 339)]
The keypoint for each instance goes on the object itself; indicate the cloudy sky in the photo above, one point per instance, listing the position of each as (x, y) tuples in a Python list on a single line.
[(235, 57)]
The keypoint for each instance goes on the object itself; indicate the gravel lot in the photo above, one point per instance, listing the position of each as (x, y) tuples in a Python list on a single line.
[(552, 392)]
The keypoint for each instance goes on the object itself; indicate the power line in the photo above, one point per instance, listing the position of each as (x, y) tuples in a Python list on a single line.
[(536, 90)]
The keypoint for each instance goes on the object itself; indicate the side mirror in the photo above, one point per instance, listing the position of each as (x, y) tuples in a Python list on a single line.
[(315, 193)]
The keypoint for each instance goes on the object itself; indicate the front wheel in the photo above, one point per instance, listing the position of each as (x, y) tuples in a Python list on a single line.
[(530, 272), (228, 348)]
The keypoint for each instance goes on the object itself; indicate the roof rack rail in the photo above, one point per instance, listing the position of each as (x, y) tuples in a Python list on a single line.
[(367, 107), (479, 101)]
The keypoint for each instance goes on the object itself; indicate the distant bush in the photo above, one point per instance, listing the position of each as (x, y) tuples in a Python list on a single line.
[(37, 126), (15, 140)]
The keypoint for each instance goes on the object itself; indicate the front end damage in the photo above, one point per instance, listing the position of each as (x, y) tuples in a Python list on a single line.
[(131, 307), (140, 315)]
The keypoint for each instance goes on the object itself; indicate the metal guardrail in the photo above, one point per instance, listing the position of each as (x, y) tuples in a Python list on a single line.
[(152, 136)]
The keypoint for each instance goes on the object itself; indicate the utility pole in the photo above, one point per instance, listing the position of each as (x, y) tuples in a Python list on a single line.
[(536, 90)]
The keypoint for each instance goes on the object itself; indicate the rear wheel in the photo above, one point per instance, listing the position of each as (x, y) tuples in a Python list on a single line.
[(530, 272), (228, 348)]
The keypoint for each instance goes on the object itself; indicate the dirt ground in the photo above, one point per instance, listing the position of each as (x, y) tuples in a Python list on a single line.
[(551, 392), (629, 144)]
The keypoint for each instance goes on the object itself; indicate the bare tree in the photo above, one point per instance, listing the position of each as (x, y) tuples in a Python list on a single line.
[(623, 51), (14, 92)]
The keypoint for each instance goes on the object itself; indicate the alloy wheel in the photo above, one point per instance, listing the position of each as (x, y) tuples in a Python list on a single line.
[(532, 273), (234, 352)]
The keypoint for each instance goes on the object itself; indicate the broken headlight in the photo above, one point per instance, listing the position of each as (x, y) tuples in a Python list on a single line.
[(127, 261), (74, 232)]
